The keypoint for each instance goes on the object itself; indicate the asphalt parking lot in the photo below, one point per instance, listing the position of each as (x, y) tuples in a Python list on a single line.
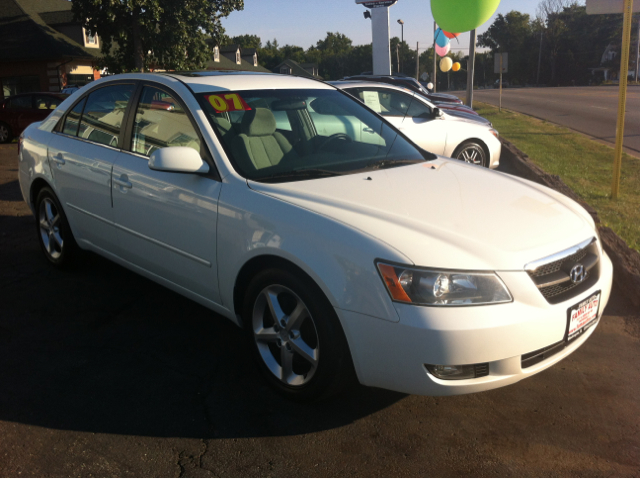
[(104, 373)]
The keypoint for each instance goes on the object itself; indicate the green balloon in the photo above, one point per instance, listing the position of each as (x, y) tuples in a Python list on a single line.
[(462, 15)]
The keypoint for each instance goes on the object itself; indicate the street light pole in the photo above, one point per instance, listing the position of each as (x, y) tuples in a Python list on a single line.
[(401, 40), (471, 65), (435, 59), (638, 52)]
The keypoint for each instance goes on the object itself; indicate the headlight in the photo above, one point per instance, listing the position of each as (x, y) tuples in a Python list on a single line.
[(442, 288)]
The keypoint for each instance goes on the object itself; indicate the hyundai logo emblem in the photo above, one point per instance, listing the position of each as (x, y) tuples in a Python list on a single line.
[(578, 274)]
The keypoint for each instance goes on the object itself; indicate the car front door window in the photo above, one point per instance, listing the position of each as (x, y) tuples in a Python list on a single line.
[(160, 122)]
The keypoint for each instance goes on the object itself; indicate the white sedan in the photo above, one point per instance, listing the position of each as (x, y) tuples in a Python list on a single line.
[(343, 254), (451, 134)]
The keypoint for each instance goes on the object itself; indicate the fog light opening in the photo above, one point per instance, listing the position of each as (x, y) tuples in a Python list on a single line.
[(457, 372)]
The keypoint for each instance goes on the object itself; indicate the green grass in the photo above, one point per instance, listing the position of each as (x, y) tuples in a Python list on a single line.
[(585, 165)]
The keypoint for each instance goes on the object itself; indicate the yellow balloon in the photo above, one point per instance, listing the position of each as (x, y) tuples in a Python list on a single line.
[(456, 66), (445, 64)]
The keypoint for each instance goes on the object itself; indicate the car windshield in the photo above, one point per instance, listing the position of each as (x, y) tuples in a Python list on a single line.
[(291, 135)]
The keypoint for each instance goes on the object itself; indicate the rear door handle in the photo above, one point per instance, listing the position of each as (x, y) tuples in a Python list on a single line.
[(58, 159), (368, 130), (122, 181)]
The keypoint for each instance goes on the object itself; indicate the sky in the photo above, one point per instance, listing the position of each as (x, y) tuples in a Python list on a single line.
[(304, 22)]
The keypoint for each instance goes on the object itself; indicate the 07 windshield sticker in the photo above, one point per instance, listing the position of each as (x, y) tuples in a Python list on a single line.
[(227, 102)]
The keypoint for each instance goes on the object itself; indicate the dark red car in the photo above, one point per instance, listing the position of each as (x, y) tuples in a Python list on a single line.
[(19, 111)]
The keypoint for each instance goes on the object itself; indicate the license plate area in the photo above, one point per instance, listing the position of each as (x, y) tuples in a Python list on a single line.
[(582, 316)]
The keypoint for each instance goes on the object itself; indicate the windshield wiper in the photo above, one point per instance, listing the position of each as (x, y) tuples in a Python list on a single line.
[(382, 164), (310, 173)]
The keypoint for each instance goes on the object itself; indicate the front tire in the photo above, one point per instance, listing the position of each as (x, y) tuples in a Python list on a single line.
[(296, 336), (54, 234), (472, 152)]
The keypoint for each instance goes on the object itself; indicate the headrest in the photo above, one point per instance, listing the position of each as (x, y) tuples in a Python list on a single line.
[(326, 107), (399, 104), (258, 122), (222, 123)]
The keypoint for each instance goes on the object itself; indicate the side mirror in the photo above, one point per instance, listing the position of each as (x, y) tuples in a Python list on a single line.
[(437, 113), (177, 159)]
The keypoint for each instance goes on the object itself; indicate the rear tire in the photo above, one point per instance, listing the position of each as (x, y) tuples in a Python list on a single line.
[(5, 133), (472, 152), (296, 336), (54, 234)]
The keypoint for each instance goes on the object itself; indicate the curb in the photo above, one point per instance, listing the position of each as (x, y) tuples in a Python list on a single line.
[(626, 261)]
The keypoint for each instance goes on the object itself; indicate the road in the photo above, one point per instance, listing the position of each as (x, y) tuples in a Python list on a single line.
[(589, 110), (104, 373)]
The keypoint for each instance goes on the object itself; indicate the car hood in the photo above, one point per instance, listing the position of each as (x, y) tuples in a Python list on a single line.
[(445, 213), (457, 115)]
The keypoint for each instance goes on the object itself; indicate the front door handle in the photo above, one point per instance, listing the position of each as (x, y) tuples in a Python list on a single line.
[(122, 182), (368, 130), (59, 159)]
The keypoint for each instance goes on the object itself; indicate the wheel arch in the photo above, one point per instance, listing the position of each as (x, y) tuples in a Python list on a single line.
[(36, 187), (481, 142), (260, 263)]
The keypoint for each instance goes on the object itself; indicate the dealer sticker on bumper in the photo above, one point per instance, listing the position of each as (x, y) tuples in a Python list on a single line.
[(582, 316)]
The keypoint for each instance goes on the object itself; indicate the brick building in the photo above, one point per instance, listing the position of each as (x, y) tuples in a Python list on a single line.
[(42, 48)]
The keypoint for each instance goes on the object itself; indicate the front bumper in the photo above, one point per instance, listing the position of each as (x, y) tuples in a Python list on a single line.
[(392, 355), (495, 150)]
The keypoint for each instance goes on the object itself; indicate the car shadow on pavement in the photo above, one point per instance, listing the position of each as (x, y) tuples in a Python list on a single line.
[(101, 349), (10, 191)]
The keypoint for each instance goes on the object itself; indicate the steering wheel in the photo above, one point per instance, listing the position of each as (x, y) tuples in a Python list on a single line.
[(335, 136)]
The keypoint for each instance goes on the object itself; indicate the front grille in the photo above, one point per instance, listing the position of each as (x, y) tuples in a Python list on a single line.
[(556, 289), (551, 275), (557, 265)]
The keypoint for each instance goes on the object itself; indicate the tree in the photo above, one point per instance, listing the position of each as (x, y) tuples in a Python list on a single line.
[(513, 33), (548, 13), (166, 34), (246, 41)]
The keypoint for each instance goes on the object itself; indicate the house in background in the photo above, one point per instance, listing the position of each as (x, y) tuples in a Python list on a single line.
[(42, 48), (290, 67), (233, 57)]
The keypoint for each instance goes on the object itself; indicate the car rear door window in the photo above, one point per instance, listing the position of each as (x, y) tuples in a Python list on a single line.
[(20, 102), (104, 113), (46, 102), (72, 120), (161, 121)]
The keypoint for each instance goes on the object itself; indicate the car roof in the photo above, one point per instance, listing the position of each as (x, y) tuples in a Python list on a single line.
[(233, 80), (368, 84), (210, 81)]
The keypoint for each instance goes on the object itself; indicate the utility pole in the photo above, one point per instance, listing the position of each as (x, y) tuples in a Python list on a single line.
[(470, 67), (622, 100), (435, 59), (638, 52), (418, 61), (401, 41)]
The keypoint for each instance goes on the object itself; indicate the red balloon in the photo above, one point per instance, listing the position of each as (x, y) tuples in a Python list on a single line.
[(450, 35)]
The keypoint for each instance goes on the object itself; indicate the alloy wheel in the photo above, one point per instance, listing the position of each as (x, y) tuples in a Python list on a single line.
[(286, 335), (472, 154), (4, 133), (50, 221)]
